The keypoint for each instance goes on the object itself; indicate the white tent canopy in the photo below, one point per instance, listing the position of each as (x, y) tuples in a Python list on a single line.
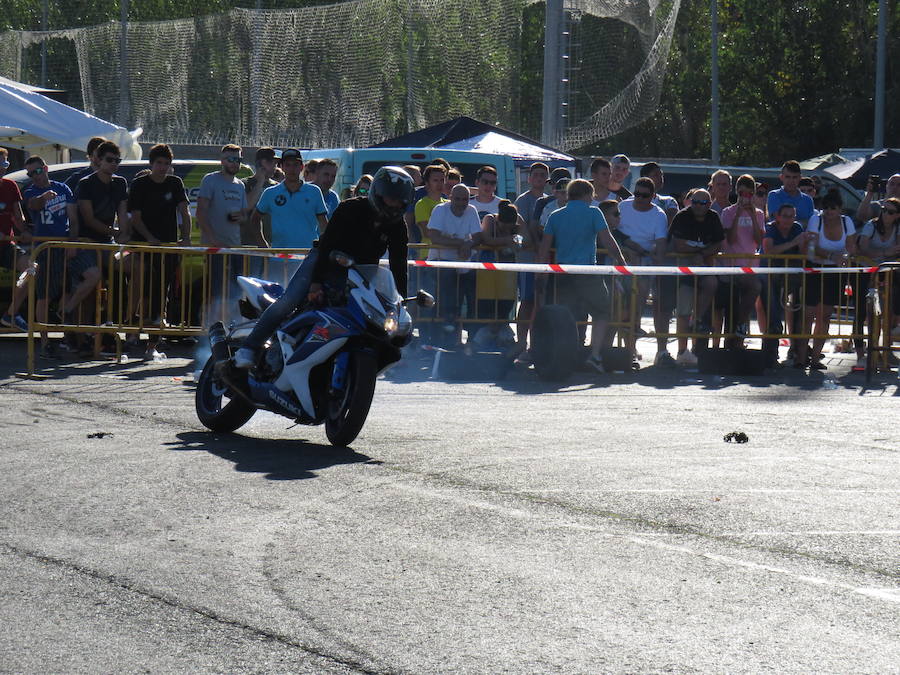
[(500, 144), (39, 125)]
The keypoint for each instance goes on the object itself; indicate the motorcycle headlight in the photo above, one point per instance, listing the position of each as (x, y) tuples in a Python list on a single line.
[(391, 324)]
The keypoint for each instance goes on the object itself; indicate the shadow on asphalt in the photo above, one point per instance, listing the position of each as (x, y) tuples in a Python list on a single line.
[(522, 380), (13, 360), (277, 459), (418, 367)]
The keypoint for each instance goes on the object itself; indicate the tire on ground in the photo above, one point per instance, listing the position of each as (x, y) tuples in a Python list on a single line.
[(345, 420), (554, 342), (209, 408)]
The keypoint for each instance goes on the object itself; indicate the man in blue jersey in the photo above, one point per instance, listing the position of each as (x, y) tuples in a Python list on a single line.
[(297, 208), (575, 231), (297, 211), (54, 215)]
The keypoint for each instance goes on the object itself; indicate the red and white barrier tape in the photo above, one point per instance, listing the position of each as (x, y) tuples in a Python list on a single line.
[(544, 268), (635, 270)]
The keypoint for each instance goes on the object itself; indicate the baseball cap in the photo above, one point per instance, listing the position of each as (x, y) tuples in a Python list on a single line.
[(265, 153), (558, 174), (291, 153)]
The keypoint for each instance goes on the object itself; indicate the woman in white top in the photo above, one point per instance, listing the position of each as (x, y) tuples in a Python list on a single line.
[(879, 240), (836, 241)]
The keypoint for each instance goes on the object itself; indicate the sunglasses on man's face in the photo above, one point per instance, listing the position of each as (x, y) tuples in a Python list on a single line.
[(112, 160), (35, 172), (363, 191), (700, 202), (643, 195), (233, 160), (488, 182)]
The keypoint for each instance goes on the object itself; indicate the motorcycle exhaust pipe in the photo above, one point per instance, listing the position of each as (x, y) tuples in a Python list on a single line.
[(218, 342)]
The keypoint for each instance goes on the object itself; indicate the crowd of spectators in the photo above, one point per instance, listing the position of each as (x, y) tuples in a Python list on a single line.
[(561, 218), (730, 221)]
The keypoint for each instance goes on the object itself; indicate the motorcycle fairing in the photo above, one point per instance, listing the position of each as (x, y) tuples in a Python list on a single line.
[(296, 373), (326, 329), (283, 402)]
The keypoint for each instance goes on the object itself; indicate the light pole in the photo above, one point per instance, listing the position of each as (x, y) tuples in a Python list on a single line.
[(880, 64), (44, 44), (714, 112), (553, 20), (124, 104)]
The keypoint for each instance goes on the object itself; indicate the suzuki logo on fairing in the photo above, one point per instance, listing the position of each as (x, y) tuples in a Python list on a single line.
[(284, 403), (320, 334)]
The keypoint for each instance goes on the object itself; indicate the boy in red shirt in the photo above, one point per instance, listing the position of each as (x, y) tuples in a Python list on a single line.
[(12, 256)]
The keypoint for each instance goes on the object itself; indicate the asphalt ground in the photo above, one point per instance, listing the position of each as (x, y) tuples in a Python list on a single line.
[(598, 525)]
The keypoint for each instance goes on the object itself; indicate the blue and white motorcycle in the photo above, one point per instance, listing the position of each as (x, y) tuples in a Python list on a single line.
[(320, 366)]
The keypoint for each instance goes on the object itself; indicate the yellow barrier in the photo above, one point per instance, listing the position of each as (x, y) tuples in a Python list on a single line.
[(132, 290), (173, 291)]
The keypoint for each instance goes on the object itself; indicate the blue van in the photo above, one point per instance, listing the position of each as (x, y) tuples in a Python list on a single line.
[(353, 163)]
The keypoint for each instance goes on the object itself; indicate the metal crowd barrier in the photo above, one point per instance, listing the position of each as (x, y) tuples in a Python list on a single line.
[(790, 290), (882, 311), (152, 290), (176, 291)]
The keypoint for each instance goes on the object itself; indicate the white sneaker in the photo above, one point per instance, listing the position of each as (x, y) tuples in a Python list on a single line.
[(687, 358), (244, 358)]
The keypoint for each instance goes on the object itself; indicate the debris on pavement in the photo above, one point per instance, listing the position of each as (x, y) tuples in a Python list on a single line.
[(736, 437)]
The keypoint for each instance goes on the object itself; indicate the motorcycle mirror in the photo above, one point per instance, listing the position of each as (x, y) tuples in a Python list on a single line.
[(342, 259), (424, 299)]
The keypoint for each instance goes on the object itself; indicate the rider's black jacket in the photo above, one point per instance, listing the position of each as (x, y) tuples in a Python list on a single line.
[(355, 229)]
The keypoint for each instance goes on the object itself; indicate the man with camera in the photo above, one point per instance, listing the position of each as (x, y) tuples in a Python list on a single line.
[(869, 209)]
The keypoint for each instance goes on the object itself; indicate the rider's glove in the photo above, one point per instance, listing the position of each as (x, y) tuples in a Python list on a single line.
[(316, 296)]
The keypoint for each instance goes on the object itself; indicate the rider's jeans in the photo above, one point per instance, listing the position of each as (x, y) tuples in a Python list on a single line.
[(293, 297)]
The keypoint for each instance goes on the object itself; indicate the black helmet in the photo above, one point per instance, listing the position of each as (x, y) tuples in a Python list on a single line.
[(395, 183)]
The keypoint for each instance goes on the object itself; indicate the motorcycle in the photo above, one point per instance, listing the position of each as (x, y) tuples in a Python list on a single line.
[(321, 364)]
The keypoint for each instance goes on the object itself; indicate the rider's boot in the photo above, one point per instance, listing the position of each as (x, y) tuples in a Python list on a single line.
[(244, 358)]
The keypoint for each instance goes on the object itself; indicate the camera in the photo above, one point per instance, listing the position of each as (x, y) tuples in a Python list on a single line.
[(875, 180)]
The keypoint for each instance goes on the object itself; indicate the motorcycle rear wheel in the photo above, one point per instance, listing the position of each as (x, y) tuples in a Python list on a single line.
[(347, 413), (208, 402)]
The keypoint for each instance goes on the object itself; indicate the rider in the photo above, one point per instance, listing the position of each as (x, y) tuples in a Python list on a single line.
[(363, 228)]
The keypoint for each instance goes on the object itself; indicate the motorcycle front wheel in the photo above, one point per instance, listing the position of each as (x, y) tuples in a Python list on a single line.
[(347, 410), (216, 409)]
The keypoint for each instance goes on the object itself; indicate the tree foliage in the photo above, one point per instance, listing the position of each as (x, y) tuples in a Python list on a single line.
[(797, 79)]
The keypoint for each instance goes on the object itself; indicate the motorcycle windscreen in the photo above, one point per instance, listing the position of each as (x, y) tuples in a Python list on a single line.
[(382, 280)]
